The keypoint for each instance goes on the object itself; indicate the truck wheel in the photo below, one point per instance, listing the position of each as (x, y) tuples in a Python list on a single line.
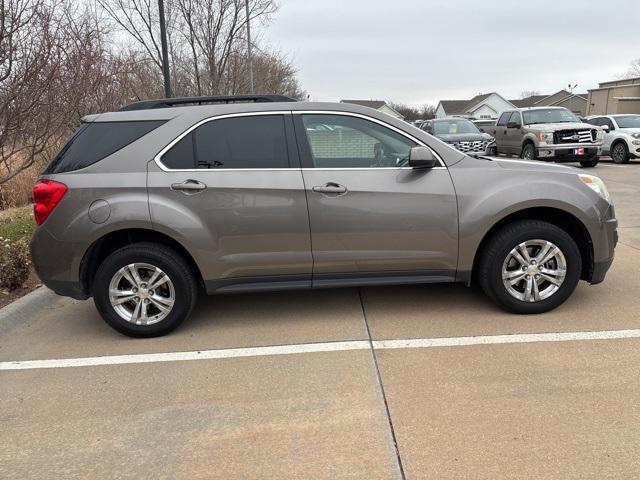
[(620, 152), (528, 151), (590, 163), (530, 266), (144, 290)]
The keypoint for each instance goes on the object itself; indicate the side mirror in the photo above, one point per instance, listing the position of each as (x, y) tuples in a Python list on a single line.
[(421, 157), (513, 125), (605, 127)]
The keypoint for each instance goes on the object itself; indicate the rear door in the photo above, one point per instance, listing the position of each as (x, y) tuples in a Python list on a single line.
[(371, 216), (499, 132), (232, 192)]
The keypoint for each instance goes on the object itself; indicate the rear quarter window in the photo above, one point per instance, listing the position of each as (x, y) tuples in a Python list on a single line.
[(95, 141)]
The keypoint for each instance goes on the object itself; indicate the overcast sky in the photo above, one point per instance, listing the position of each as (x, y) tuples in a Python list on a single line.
[(421, 51)]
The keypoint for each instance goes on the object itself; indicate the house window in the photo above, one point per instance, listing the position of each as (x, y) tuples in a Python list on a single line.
[(485, 117)]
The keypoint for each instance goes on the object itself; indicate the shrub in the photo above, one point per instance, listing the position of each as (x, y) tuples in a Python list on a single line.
[(14, 264)]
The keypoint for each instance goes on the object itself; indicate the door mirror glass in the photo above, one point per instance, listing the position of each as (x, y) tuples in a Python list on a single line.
[(421, 157)]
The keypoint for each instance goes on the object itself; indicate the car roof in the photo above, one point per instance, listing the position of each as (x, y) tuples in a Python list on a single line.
[(526, 109)]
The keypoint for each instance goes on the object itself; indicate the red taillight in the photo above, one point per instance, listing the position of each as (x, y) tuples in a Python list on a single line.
[(46, 195)]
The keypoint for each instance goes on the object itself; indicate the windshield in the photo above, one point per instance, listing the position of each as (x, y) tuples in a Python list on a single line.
[(446, 127), (552, 115), (628, 121)]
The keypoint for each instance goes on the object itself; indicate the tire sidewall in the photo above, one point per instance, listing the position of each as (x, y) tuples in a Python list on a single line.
[(531, 147), (625, 151), (574, 267), (184, 291)]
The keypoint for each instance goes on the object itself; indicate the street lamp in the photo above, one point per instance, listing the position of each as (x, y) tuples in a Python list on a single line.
[(165, 54), (250, 59)]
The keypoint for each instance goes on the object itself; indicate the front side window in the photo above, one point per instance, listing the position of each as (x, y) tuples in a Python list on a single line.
[(228, 143), (515, 118), (502, 121), (340, 141)]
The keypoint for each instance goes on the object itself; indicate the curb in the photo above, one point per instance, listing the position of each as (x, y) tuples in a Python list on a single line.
[(26, 307)]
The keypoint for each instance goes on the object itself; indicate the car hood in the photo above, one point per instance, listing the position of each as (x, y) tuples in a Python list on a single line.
[(630, 130), (554, 127), (464, 137)]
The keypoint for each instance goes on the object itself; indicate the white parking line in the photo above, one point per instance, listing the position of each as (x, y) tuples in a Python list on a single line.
[(317, 348)]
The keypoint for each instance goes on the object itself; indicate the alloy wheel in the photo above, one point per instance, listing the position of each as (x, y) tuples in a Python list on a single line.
[(141, 294), (534, 270)]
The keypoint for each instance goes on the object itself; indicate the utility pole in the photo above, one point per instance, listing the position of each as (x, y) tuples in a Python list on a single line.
[(246, 6), (165, 53)]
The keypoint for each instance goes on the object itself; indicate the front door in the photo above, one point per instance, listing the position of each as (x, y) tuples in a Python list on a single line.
[(371, 216), (231, 191)]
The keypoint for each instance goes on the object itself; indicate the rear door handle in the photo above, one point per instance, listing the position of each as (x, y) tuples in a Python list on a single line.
[(330, 188), (189, 186)]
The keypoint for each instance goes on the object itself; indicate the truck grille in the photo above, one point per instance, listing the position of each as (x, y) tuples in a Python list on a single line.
[(574, 136), (479, 146)]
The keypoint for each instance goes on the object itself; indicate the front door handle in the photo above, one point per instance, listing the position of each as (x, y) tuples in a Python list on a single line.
[(189, 186), (330, 188)]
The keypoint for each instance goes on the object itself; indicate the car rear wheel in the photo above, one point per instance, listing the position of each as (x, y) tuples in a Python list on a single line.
[(530, 267), (528, 151), (620, 153), (590, 163), (144, 290)]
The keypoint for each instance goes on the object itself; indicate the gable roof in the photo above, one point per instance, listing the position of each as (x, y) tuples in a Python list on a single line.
[(460, 107), (528, 101), (375, 104)]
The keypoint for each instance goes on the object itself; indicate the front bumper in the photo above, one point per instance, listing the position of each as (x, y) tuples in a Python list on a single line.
[(567, 152), (608, 242)]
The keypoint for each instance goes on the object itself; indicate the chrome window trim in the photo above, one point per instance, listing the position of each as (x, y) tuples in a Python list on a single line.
[(379, 122), (158, 157)]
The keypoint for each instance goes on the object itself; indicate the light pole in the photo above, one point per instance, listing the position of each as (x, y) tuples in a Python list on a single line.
[(250, 59), (165, 54)]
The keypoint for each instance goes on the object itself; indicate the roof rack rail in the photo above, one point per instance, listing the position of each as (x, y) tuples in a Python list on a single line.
[(176, 102)]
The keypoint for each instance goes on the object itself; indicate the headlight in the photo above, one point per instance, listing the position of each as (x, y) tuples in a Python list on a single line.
[(599, 134), (635, 135), (545, 137), (597, 185)]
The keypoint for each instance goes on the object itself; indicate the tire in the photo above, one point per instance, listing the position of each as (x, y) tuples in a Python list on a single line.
[(497, 254), (620, 152), (180, 286), (528, 151), (590, 163)]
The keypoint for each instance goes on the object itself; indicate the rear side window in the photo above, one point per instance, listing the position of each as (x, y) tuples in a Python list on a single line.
[(97, 140), (229, 143)]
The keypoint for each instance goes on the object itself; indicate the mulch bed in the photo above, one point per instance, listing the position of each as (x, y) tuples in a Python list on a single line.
[(31, 284)]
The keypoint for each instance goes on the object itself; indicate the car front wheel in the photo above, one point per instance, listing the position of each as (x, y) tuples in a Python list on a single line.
[(144, 290), (620, 153), (529, 152), (530, 266)]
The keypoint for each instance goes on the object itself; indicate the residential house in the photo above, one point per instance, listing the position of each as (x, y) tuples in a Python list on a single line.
[(576, 102), (485, 106), (617, 96), (379, 105)]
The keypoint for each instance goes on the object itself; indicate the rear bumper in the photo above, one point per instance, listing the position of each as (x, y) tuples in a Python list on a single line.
[(56, 265)]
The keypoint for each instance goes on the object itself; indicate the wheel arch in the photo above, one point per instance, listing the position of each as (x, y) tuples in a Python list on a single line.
[(112, 241), (555, 216)]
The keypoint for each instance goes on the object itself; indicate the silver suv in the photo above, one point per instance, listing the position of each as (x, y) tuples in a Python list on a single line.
[(144, 207)]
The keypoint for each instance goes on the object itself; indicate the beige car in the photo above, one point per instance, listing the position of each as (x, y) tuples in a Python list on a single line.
[(547, 133)]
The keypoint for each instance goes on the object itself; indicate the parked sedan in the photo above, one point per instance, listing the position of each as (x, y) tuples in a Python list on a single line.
[(461, 134), (622, 136)]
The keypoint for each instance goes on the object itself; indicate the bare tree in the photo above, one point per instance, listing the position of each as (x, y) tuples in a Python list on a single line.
[(410, 113), (633, 71)]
